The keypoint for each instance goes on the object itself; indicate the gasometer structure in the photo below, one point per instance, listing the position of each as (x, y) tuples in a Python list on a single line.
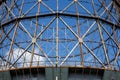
[(59, 39)]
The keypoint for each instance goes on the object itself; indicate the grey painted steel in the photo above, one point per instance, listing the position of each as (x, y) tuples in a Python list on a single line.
[(48, 73), (111, 75), (64, 74), (77, 76), (56, 73), (5, 75), (52, 73), (85, 74), (28, 74)]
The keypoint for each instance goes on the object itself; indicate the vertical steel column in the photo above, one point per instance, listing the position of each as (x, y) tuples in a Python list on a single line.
[(79, 36), (57, 39)]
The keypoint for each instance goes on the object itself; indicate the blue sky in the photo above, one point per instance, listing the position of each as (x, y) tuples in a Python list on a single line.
[(68, 37)]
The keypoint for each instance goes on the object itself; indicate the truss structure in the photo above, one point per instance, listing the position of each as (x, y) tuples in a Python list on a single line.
[(57, 33)]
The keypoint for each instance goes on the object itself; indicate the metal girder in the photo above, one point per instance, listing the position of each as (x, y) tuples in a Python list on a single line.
[(50, 42), (117, 2), (60, 14)]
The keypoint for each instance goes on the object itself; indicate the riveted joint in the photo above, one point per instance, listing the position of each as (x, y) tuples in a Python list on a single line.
[(33, 40), (80, 40)]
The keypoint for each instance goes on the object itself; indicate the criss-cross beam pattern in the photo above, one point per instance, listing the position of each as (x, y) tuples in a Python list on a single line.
[(57, 33)]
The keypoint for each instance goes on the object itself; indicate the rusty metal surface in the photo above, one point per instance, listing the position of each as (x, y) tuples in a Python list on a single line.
[(80, 33)]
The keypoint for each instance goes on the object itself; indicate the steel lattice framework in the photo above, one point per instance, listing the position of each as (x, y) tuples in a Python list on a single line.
[(60, 33)]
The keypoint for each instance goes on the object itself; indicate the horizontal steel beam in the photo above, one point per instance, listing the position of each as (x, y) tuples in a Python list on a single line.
[(59, 14)]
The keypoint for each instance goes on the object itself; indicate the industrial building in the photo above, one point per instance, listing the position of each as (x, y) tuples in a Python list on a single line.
[(59, 39)]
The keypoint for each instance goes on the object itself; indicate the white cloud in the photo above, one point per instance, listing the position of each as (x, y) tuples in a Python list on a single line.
[(26, 58)]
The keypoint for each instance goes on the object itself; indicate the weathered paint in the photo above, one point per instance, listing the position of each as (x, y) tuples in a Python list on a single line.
[(5, 75), (60, 74), (111, 75), (56, 73)]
